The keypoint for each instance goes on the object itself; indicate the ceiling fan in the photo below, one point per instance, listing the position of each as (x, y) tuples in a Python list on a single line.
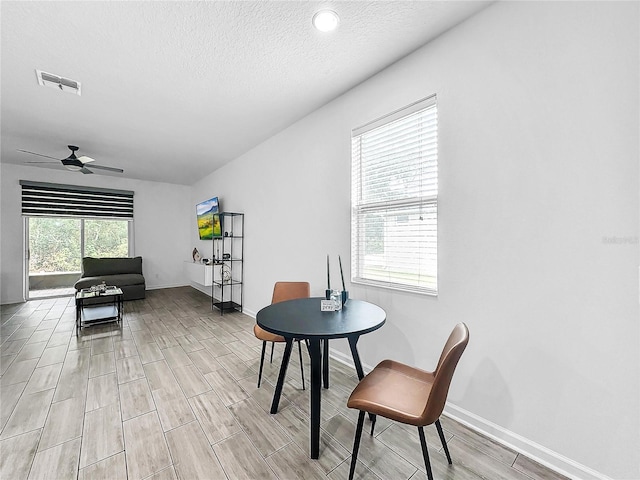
[(75, 164)]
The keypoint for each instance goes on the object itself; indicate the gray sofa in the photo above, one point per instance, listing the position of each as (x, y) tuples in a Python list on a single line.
[(125, 273)]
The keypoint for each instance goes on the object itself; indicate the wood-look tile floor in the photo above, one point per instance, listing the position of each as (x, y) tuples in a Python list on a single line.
[(172, 394)]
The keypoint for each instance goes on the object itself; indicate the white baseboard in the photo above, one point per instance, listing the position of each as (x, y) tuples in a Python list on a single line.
[(347, 359), (249, 313), (159, 287), (200, 288), (207, 291), (11, 301), (518, 443)]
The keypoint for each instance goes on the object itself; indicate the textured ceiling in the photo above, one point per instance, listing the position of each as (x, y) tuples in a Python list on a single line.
[(173, 90)]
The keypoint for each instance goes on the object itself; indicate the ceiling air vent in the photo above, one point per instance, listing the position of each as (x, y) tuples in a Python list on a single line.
[(54, 81)]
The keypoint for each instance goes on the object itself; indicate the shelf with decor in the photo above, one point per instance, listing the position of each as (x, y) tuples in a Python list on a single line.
[(228, 258)]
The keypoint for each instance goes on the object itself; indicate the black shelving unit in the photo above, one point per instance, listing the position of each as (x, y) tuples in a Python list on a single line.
[(228, 257)]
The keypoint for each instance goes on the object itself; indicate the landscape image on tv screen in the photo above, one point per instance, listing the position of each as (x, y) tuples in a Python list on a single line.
[(208, 219)]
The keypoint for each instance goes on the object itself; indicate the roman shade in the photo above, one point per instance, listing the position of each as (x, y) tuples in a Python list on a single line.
[(56, 200)]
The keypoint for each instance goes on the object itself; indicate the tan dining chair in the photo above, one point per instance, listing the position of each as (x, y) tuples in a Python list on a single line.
[(409, 395), (281, 291)]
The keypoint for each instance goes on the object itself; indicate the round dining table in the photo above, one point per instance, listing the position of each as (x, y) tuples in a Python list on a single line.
[(303, 318)]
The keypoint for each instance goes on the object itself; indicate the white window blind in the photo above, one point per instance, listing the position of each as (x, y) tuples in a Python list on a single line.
[(394, 241)]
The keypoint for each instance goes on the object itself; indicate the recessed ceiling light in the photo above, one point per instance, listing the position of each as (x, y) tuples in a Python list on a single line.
[(326, 20)]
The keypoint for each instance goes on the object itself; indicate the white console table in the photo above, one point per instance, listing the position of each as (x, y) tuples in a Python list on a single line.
[(200, 273)]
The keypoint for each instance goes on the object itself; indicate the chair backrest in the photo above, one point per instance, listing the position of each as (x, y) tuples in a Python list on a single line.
[(290, 290), (451, 353)]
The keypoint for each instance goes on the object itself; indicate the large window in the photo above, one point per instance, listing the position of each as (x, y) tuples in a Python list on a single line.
[(67, 222), (395, 200), (57, 244)]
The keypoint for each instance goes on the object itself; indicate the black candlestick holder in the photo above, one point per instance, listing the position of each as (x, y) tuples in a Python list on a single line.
[(345, 296)]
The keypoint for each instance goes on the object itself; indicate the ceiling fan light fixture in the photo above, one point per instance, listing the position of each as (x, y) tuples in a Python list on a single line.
[(74, 163), (326, 20)]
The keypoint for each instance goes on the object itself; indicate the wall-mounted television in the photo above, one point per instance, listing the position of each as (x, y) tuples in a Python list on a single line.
[(208, 219)]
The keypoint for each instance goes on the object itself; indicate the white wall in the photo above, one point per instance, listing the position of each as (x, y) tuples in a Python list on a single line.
[(538, 120), (161, 225)]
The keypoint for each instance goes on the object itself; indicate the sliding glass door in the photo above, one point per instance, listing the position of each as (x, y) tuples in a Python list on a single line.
[(56, 246)]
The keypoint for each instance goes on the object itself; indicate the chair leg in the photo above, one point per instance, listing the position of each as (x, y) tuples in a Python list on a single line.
[(356, 444), (373, 422), (264, 346), (425, 453), (444, 442), (301, 366), (271, 359)]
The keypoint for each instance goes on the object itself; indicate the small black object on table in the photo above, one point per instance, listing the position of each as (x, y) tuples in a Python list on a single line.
[(302, 318)]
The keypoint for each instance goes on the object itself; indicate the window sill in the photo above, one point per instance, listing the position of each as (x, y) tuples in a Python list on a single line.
[(396, 287)]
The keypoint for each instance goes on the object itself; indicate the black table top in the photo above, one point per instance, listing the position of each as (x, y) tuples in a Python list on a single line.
[(302, 318)]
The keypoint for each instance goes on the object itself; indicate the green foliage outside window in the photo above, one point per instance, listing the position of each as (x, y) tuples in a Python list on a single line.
[(54, 243), (106, 238)]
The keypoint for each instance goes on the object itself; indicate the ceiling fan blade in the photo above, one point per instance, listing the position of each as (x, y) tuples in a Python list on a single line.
[(111, 169), (39, 154), (50, 163), (85, 159), (85, 170)]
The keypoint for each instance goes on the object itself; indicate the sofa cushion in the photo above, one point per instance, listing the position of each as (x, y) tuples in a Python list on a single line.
[(96, 267), (122, 280)]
